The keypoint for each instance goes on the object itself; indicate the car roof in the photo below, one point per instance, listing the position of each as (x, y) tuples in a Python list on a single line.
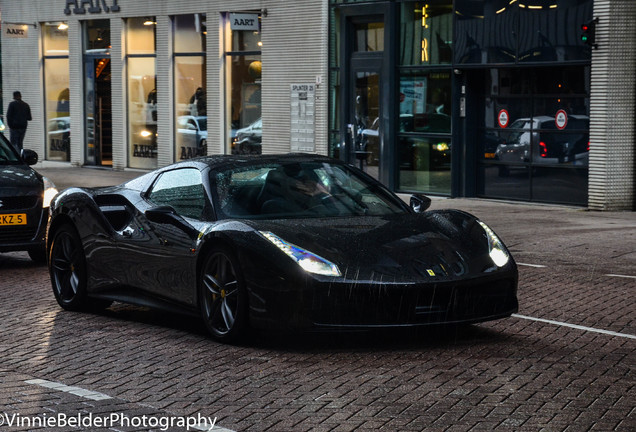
[(221, 162)]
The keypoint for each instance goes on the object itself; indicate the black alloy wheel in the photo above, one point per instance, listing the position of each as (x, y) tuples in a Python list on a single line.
[(67, 266), (222, 296)]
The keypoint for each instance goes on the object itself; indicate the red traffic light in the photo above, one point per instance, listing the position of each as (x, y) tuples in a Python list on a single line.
[(588, 33)]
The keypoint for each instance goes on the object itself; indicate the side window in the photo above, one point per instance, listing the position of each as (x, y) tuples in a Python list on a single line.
[(183, 190)]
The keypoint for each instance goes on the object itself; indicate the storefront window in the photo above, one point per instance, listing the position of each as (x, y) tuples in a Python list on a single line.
[(424, 152), (140, 35), (426, 32), (190, 33), (369, 36), (96, 36), (56, 85), (535, 141), (243, 78), (548, 40), (190, 86), (55, 38), (425, 102), (142, 93), (486, 31), (504, 31), (424, 164)]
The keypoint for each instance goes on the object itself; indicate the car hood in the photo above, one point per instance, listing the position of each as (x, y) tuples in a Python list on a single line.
[(19, 180), (433, 245)]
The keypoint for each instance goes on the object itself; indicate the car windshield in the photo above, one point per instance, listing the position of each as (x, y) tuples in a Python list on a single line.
[(8, 155), (300, 190)]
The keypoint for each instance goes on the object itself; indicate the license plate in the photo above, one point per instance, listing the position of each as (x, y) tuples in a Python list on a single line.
[(13, 219), (489, 155)]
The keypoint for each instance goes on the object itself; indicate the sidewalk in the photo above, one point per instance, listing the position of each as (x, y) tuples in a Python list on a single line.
[(65, 177)]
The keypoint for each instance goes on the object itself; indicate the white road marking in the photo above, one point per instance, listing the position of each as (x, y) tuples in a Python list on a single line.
[(531, 265), (88, 394), (77, 391), (575, 326), (621, 276)]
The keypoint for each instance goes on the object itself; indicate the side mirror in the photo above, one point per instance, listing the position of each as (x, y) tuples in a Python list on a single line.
[(166, 214), (420, 203), (29, 157)]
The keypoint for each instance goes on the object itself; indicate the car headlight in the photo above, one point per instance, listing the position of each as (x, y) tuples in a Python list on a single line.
[(310, 262), (496, 248), (49, 192)]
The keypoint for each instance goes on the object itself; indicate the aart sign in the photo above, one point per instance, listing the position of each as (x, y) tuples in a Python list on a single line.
[(80, 7), (243, 21), (16, 31)]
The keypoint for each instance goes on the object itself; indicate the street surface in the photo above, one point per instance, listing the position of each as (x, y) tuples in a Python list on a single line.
[(565, 362)]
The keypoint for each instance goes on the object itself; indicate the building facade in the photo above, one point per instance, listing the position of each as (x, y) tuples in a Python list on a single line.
[(478, 98), (507, 99), (140, 84)]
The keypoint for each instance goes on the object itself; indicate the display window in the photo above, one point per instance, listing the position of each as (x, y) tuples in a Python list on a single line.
[(243, 83), (191, 132), (504, 31), (142, 92), (534, 143), (424, 150), (426, 31), (56, 88)]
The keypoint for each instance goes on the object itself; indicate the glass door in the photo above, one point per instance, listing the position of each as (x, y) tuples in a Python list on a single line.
[(364, 120), (97, 93), (98, 124)]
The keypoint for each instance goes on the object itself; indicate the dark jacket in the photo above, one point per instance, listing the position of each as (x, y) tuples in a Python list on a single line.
[(18, 114)]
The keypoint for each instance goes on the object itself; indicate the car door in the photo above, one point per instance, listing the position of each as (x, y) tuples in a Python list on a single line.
[(162, 260)]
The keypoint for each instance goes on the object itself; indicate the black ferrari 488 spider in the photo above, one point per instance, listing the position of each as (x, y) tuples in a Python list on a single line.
[(277, 242)]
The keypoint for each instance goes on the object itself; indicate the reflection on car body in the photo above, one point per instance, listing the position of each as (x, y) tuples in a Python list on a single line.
[(276, 242)]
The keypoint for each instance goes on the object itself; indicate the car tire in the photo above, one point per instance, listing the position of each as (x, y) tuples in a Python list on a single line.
[(67, 267), (38, 254), (223, 296)]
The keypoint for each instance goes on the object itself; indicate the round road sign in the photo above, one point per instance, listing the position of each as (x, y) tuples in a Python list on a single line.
[(561, 119), (503, 118)]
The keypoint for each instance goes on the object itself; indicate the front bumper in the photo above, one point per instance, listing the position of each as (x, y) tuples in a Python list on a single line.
[(414, 305), (25, 237), (328, 305)]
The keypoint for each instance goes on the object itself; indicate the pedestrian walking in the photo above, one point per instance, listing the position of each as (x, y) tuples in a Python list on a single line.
[(18, 116)]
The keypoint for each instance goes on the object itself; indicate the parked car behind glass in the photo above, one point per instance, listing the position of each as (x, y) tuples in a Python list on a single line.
[(537, 140)]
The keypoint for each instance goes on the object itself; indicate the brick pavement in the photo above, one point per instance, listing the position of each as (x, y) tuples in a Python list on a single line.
[(512, 374), (509, 375)]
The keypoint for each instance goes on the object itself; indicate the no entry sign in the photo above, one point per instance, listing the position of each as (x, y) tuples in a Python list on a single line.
[(561, 119), (503, 118)]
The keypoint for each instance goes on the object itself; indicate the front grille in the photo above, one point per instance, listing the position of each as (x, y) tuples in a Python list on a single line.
[(17, 234), (18, 203), (426, 303)]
